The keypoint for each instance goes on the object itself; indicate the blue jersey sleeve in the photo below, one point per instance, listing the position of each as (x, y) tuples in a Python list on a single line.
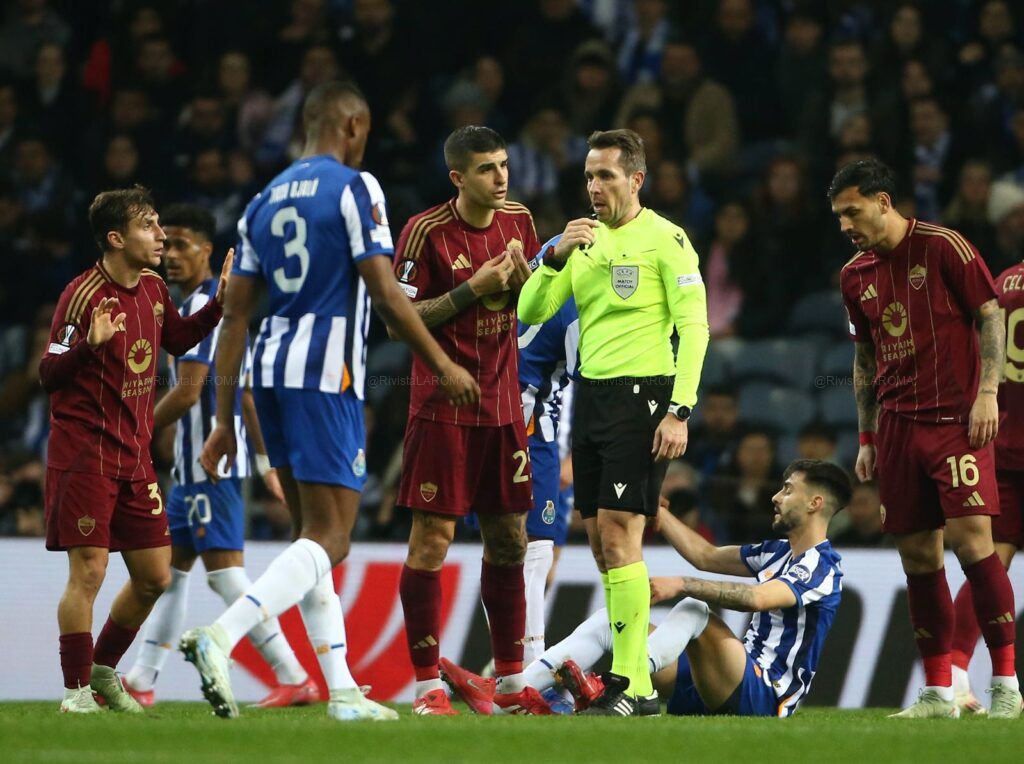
[(203, 352), (538, 259), (365, 215), (758, 556), (247, 262), (813, 577)]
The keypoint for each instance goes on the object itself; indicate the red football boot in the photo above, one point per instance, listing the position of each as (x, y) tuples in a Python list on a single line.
[(145, 698), (526, 701), (586, 688), (284, 695), (477, 691), (434, 703)]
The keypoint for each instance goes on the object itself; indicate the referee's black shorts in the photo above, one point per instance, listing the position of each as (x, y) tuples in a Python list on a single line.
[(614, 422)]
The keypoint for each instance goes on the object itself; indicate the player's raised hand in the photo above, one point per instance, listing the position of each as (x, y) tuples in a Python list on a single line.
[(104, 324), (865, 467), (520, 268), (493, 276), (984, 420), (221, 443), (670, 439), (577, 233), (459, 385), (225, 273)]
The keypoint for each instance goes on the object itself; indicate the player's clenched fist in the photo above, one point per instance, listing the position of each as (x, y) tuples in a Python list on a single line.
[(102, 327), (577, 233), (459, 386), (493, 276)]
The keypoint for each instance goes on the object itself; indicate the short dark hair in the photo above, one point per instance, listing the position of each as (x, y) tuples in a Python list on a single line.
[(317, 108), (681, 501), (113, 210), (868, 176), (471, 139), (815, 429), (827, 477), (190, 216), (633, 159)]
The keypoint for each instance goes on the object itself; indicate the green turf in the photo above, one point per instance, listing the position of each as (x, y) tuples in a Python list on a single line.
[(186, 732)]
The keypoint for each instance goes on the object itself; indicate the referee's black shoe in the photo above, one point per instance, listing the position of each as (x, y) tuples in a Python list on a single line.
[(648, 705), (613, 701)]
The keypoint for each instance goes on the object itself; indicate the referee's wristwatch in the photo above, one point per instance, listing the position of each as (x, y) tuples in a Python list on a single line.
[(679, 411)]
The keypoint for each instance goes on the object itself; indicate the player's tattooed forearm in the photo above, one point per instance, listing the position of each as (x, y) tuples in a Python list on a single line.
[(993, 345), (439, 310), (728, 595), (864, 370)]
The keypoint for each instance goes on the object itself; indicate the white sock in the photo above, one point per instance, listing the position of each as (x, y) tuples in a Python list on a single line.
[(510, 683), (946, 693), (588, 642), (427, 685), (539, 557), (1006, 681), (685, 622), (325, 625), (230, 584), (161, 632), (961, 681), (285, 581)]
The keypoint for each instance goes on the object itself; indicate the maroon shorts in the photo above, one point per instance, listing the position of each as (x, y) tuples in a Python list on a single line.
[(1008, 528), (85, 509), (929, 472), (452, 470)]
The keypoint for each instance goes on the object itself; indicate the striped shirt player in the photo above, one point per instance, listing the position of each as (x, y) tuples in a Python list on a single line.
[(205, 515), (785, 644), (915, 305), (101, 488), (303, 235), (437, 251)]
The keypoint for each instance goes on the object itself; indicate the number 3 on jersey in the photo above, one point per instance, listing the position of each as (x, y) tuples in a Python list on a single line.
[(293, 247)]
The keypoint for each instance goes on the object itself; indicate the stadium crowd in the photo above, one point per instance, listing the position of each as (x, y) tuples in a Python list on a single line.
[(746, 108)]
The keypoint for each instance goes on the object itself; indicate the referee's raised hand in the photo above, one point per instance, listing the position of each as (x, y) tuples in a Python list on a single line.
[(670, 439), (577, 233)]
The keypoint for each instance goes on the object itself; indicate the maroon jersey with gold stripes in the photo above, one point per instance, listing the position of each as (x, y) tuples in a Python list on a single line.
[(1010, 441), (436, 252), (916, 304), (101, 401)]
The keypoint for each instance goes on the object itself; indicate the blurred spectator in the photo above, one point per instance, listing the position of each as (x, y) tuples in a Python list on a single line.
[(671, 194), (247, 107), (211, 189), (741, 490), (643, 42), (968, 211), (936, 157), (8, 125), (717, 431), (737, 55), (696, 111), (801, 67), (1006, 213), (905, 39), (731, 246), (591, 92), (305, 26), (48, 102), (683, 504), (202, 125), (545, 149), (996, 27), (862, 522), (29, 24), (38, 180), (1010, 158), (162, 74), (817, 441)]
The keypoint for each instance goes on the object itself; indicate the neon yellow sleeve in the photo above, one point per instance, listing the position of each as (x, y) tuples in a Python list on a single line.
[(544, 293), (687, 303)]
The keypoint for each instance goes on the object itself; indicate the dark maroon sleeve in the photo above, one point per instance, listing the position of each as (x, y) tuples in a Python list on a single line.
[(67, 352), (969, 277), (182, 334)]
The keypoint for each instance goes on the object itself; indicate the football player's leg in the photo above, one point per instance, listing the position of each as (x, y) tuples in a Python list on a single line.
[(718, 662), (87, 567), (502, 589), (587, 643)]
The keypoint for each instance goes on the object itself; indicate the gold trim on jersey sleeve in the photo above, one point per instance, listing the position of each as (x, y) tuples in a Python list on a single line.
[(76, 303)]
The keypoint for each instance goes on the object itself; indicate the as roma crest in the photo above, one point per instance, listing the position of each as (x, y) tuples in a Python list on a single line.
[(158, 313), (428, 491), (86, 525), (917, 276)]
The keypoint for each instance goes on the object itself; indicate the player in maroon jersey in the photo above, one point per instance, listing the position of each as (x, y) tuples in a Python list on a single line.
[(919, 297), (1008, 527), (102, 493), (462, 264)]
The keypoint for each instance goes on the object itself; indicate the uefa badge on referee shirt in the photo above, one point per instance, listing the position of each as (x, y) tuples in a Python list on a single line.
[(625, 279)]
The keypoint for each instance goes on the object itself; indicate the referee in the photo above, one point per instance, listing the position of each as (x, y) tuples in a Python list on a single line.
[(635, 277)]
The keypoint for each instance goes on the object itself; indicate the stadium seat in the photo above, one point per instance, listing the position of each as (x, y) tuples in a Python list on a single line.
[(837, 408), (784, 361), (780, 408), (837, 364), (819, 313)]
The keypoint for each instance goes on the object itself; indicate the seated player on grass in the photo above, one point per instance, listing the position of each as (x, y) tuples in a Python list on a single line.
[(695, 660)]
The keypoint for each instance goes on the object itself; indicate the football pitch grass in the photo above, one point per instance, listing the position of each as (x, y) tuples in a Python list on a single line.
[(187, 732)]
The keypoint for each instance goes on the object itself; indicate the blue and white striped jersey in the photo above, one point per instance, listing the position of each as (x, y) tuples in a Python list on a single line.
[(303, 234), (194, 428), (548, 358), (786, 644)]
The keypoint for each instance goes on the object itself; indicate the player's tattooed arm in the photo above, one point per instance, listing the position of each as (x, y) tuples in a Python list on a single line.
[(864, 370), (748, 598), (440, 310), (993, 345)]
